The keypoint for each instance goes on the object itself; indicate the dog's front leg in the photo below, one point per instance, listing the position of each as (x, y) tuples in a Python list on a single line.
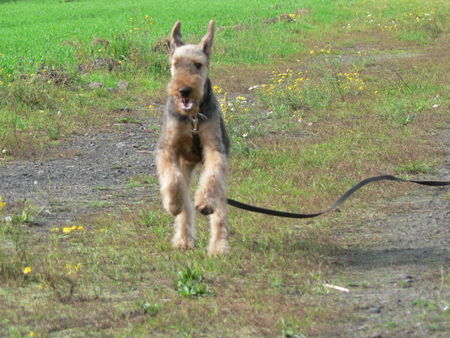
[(174, 185), (172, 182), (213, 180), (210, 198)]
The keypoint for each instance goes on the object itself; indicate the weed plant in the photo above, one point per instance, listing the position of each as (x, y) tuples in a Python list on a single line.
[(190, 283)]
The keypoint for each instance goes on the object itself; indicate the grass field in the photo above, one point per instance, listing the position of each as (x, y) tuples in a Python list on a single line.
[(40, 32), (48, 43), (340, 89)]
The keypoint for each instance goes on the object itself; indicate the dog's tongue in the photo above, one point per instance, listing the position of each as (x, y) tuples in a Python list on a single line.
[(187, 104)]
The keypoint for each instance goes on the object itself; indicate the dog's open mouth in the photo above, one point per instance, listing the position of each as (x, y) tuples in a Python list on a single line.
[(187, 104)]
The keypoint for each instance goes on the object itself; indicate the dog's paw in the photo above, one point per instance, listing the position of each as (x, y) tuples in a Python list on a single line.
[(220, 247), (204, 204), (205, 209), (183, 243), (172, 207), (173, 197)]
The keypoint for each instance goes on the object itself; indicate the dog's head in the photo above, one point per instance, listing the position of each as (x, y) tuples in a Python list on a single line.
[(189, 69)]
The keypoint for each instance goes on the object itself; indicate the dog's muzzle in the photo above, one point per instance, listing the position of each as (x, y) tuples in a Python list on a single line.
[(186, 103)]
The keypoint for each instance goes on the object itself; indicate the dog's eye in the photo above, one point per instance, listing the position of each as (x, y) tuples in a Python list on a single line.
[(198, 65)]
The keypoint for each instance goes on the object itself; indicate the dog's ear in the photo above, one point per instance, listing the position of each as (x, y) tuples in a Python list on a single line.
[(207, 41), (175, 37)]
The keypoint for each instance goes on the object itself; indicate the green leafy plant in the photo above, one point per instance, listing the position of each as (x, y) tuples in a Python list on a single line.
[(190, 283), (150, 308)]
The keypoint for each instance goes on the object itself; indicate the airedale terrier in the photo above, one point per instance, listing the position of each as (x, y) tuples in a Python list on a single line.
[(193, 133)]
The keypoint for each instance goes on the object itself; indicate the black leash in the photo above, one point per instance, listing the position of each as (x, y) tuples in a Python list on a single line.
[(341, 200)]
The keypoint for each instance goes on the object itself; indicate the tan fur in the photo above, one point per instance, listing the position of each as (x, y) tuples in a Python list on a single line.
[(176, 157)]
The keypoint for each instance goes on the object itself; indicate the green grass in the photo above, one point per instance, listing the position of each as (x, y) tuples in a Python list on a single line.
[(52, 50), (84, 21), (38, 32), (361, 109)]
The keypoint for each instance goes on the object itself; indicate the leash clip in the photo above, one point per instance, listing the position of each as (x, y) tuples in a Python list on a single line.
[(195, 121)]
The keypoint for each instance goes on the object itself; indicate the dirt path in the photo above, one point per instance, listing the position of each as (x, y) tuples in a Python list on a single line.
[(84, 174), (395, 267)]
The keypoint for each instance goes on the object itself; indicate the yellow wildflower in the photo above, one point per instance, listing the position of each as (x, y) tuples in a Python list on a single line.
[(27, 270), (56, 229), (73, 269), (32, 334), (241, 98), (2, 203), (68, 230)]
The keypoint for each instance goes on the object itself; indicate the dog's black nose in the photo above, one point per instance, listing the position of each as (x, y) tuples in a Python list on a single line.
[(185, 91)]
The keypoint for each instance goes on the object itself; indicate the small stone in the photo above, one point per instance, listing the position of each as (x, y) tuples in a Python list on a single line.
[(95, 85), (374, 309), (123, 85)]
